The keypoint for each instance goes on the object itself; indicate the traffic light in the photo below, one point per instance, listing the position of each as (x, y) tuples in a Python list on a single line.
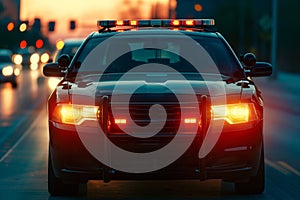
[(37, 24), (72, 25), (23, 44), (39, 43), (23, 26), (51, 26), (59, 44), (10, 26)]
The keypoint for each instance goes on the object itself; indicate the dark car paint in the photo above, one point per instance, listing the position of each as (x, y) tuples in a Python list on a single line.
[(231, 166)]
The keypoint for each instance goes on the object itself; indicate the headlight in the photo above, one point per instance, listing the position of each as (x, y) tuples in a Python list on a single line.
[(45, 57), (234, 113), (34, 66), (17, 72), (18, 59), (7, 71), (34, 58), (74, 114)]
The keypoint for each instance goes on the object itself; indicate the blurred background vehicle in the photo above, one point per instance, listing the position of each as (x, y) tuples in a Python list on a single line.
[(9, 71), (25, 54), (30, 58)]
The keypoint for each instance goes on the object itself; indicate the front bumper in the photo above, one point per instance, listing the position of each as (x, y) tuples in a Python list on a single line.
[(235, 157)]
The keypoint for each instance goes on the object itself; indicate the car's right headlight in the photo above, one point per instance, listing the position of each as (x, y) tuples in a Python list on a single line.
[(74, 114)]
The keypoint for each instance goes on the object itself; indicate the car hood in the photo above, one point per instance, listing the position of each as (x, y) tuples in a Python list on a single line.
[(236, 91)]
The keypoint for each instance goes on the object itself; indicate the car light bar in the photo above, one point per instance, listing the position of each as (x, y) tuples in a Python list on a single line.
[(197, 23)]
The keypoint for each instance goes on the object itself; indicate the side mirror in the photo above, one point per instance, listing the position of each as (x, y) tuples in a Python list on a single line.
[(260, 69), (64, 61), (53, 70), (249, 60)]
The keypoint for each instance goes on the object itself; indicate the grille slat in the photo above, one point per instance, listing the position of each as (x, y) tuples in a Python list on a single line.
[(140, 115)]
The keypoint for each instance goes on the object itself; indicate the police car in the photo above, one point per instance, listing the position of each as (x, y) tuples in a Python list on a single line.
[(156, 99)]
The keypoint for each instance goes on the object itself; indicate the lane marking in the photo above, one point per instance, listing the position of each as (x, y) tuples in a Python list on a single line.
[(277, 167), (289, 168), (21, 138)]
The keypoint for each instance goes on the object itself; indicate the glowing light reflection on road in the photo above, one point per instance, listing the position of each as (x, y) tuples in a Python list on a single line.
[(7, 106)]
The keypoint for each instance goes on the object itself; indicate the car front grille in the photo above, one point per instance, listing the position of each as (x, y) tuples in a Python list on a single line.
[(139, 114)]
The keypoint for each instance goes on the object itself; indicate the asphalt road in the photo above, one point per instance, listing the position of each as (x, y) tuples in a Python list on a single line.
[(24, 150)]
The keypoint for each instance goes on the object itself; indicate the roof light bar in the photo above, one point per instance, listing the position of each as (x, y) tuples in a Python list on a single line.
[(106, 23), (204, 22), (176, 22), (144, 23), (120, 23), (189, 22), (197, 23), (133, 23)]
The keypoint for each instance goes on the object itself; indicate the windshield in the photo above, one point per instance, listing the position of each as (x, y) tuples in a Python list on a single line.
[(125, 53)]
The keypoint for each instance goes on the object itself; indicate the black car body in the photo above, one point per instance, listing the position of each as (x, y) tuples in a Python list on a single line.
[(237, 155)]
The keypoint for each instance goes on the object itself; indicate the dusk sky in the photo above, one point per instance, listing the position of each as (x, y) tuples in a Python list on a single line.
[(86, 13)]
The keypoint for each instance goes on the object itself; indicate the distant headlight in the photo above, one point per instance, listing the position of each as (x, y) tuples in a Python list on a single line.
[(34, 66), (18, 59), (234, 113), (7, 71), (45, 57), (34, 58), (17, 72)]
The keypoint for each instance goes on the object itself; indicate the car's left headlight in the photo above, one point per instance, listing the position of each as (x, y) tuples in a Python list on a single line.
[(74, 114), (234, 113), (7, 71)]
